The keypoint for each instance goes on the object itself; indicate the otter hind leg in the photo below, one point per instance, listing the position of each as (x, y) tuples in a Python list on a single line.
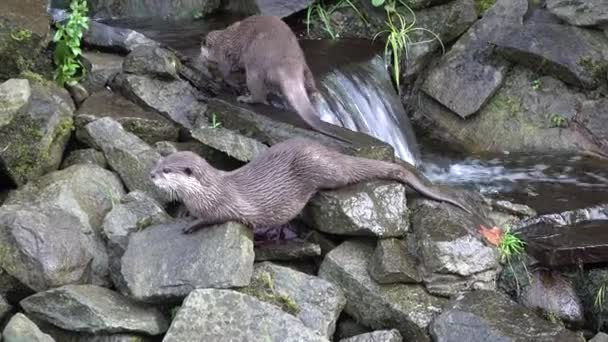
[(257, 89)]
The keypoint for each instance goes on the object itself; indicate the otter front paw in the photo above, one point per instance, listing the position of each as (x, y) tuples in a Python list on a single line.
[(245, 99)]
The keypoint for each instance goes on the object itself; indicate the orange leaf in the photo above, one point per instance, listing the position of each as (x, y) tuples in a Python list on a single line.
[(492, 235)]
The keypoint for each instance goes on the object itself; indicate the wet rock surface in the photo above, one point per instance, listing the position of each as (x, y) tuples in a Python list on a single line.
[(85, 156), (115, 38), (376, 336), (5, 307), (22, 329), (377, 208), (482, 315), (213, 257), (176, 9), (290, 250), (101, 67), (279, 8), (405, 307), (210, 314), (580, 12), (94, 309), (152, 61), (235, 145), (392, 262)]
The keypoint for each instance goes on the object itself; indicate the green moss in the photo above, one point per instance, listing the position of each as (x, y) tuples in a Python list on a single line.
[(596, 70), (21, 35), (506, 103), (483, 5), (32, 76), (262, 287)]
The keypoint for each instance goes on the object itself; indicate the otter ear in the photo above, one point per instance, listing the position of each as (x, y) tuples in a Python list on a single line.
[(188, 171)]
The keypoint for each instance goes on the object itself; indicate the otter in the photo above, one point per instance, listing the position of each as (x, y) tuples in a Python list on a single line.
[(273, 188), (269, 52)]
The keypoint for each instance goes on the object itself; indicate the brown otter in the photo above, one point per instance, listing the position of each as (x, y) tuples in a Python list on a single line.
[(273, 188), (273, 60)]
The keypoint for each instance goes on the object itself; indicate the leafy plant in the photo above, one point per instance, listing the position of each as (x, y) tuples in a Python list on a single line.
[(320, 10), (558, 120), (600, 297), (510, 246), (398, 32), (214, 121), (21, 35), (69, 68), (536, 84)]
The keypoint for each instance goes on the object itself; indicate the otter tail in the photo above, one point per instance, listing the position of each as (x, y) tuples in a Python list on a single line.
[(295, 92)]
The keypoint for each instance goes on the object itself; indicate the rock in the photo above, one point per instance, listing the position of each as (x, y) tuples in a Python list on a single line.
[(570, 217), (467, 76), (487, 315), (176, 100), (35, 125), (5, 308), (580, 12), (518, 118), (148, 125), (392, 262), (377, 208), (377, 336), (287, 251), (128, 155), (513, 208), (451, 258), (599, 337), (115, 38), (405, 307), (315, 301), (152, 61), (151, 9), (574, 55), (94, 309), (214, 257), (554, 295), (593, 116), (213, 314), (279, 8), (24, 33), (348, 327), (101, 68), (235, 145), (85, 156), (64, 210), (448, 21), (21, 329), (217, 159), (135, 212), (588, 282)]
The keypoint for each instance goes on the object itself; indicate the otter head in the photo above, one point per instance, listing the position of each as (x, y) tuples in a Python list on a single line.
[(182, 174), (211, 46)]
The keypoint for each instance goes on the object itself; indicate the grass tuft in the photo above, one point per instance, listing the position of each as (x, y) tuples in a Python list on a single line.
[(510, 246), (321, 12)]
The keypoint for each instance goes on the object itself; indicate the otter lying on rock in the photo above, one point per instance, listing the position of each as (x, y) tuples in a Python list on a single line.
[(273, 188), (273, 60)]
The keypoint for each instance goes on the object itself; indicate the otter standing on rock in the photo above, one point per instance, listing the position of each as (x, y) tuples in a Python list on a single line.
[(273, 60), (273, 188)]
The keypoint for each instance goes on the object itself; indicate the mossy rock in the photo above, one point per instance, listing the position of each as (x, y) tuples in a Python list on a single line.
[(21, 50)]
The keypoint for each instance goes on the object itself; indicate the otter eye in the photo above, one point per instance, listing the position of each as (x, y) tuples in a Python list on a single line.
[(166, 170), (188, 171)]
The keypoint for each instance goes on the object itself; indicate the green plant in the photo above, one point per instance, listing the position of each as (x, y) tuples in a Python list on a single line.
[(215, 123), (398, 33), (558, 120), (536, 84), (600, 297), (323, 12), (69, 68), (21, 35), (483, 5), (510, 246)]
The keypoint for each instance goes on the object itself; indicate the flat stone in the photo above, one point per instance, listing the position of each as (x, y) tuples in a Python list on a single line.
[(569, 53), (580, 12), (214, 257), (232, 143), (120, 39), (315, 301), (491, 316), (21, 329), (467, 76), (85, 156), (213, 314), (152, 61), (127, 154), (392, 262), (377, 208), (290, 250), (376, 336), (405, 307)]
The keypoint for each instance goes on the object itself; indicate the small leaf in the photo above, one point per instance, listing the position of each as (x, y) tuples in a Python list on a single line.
[(377, 3)]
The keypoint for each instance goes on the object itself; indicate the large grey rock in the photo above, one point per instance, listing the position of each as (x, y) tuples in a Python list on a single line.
[(213, 257), (592, 116), (287, 251), (580, 12), (101, 68), (588, 283), (128, 155), (491, 316), (94, 309), (5, 307), (348, 327), (467, 76), (35, 125), (175, 9), (85, 156), (232, 143), (599, 337), (21, 329), (116, 38), (135, 212), (152, 61), (451, 258), (376, 336), (279, 8), (376, 208), (63, 211), (574, 55), (216, 158), (315, 301), (148, 125), (177, 100), (405, 307), (213, 314), (392, 262)]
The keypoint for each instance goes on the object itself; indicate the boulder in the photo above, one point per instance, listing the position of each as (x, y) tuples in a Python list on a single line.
[(94, 309), (290, 250), (405, 307), (152, 61), (176, 9), (376, 336), (580, 12), (216, 158), (101, 69), (588, 283), (467, 76), (214, 257), (233, 144), (377, 208), (5, 308), (315, 301), (392, 262), (599, 337), (491, 316), (214, 314), (279, 8), (115, 38), (593, 117), (21, 329), (85, 156), (36, 121)]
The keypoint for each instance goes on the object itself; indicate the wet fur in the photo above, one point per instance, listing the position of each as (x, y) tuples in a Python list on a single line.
[(269, 52), (272, 189)]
